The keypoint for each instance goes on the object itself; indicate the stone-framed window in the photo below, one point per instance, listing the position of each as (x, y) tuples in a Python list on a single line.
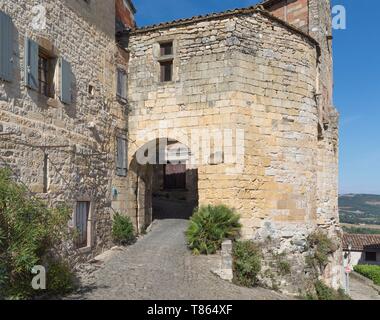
[(46, 72), (46, 69), (166, 60)]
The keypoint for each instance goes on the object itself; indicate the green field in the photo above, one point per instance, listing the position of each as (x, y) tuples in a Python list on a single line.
[(359, 209)]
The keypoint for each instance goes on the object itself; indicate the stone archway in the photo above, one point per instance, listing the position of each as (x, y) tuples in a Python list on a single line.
[(162, 183)]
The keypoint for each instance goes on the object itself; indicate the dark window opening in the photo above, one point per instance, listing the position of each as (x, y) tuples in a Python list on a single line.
[(81, 222), (166, 71), (166, 48), (370, 256), (45, 74), (91, 90), (175, 176)]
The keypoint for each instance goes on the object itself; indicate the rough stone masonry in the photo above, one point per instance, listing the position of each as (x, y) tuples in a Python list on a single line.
[(265, 70), (247, 69)]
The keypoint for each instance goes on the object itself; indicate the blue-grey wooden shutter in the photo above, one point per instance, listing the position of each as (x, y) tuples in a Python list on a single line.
[(119, 83), (65, 90), (6, 46), (31, 64), (121, 157)]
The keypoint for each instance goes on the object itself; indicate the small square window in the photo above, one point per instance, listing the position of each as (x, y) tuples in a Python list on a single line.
[(166, 48), (370, 256)]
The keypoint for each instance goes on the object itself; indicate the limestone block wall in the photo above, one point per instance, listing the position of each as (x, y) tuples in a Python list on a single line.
[(81, 165), (251, 73)]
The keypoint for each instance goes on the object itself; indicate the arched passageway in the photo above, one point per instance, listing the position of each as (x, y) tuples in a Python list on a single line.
[(162, 182)]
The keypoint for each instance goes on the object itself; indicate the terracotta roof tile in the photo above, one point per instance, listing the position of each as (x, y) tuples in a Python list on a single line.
[(359, 242)]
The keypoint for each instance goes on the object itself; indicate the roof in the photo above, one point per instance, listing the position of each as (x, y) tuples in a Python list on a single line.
[(258, 8), (361, 242)]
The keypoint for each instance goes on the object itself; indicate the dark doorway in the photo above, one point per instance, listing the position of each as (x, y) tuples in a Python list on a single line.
[(166, 186), (175, 191)]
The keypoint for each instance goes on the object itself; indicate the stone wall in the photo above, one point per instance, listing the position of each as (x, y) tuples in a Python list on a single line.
[(79, 137), (253, 73)]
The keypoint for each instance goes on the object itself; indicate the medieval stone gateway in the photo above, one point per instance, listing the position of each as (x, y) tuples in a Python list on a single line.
[(233, 107)]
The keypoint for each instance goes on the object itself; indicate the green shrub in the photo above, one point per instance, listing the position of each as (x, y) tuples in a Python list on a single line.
[(323, 292), (320, 247), (246, 263), (29, 230), (209, 226), (59, 278), (369, 271), (122, 229)]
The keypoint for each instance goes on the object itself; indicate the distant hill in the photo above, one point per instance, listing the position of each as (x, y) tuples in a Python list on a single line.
[(359, 209)]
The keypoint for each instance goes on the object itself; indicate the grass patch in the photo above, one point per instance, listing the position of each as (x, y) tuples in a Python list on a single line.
[(246, 263), (324, 292), (320, 247)]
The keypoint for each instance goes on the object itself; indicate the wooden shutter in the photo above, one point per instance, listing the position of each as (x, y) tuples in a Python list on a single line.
[(121, 84), (31, 64), (119, 80), (81, 220), (6, 47), (65, 81), (121, 156)]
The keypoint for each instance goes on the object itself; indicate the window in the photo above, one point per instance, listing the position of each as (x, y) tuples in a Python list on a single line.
[(175, 176), (370, 256), (166, 71), (166, 48), (40, 67), (121, 156), (45, 74), (121, 84), (82, 212), (166, 61)]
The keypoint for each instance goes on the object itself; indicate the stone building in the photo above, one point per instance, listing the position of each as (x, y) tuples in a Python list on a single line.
[(232, 107), (262, 76), (63, 111)]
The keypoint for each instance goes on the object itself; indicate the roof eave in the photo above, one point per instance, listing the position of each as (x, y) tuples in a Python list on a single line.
[(245, 11)]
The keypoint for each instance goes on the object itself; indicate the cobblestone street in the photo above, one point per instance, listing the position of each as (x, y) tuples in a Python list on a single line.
[(159, 266)]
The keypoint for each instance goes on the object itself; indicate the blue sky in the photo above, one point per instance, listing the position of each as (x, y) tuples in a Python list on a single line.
[(357, 80)]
